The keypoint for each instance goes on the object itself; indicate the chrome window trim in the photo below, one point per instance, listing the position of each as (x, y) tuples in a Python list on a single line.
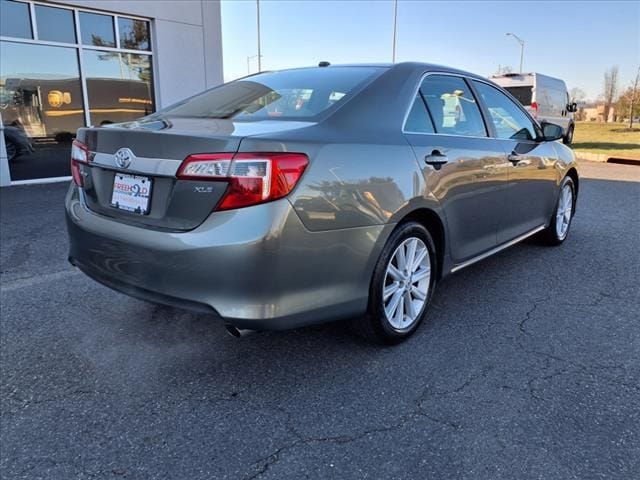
[(468, 78), (415, 92)]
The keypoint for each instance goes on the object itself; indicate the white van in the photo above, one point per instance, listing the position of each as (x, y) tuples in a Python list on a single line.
[(546, 98)]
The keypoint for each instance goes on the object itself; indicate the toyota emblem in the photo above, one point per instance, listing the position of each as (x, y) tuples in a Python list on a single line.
[(124, 156)]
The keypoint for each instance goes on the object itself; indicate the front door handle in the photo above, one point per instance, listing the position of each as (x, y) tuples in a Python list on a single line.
[(519, 160), (514, 158), (436, 159)]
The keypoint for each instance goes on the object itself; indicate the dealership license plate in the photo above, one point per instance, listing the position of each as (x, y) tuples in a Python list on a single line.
[(131, 193)]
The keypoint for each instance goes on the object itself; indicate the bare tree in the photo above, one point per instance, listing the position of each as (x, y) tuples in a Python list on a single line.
[(634, 98), (577, 95), (610, 89)]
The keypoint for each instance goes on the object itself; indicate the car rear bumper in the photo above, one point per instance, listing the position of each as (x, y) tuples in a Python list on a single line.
[(257, 267)]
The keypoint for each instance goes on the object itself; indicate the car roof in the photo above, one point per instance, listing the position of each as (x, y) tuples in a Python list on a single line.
[(403, 65)]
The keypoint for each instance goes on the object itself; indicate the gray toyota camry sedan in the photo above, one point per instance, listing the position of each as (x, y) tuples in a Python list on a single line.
[(300, 196)]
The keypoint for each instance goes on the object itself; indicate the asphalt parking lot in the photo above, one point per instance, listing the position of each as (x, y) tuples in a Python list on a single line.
[(528, 367)]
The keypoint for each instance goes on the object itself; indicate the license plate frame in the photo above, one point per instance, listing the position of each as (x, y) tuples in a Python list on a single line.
[(131, 193)]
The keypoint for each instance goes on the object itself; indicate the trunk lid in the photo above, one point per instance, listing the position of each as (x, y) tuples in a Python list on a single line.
[(155, 148)]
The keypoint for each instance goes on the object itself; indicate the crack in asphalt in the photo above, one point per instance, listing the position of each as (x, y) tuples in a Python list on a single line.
[(264, 463)]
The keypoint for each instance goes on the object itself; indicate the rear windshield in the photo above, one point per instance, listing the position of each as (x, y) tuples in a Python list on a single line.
[(522, 94), (291, 94)]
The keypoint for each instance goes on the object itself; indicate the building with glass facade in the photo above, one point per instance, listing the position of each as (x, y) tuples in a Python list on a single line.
[(77, 63)]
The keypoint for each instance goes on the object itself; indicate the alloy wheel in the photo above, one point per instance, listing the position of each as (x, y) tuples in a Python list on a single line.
[(406, 283), (564, 211)]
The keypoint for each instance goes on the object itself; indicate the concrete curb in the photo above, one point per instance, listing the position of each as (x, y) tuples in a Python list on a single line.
[(603, 157), (592, 157)]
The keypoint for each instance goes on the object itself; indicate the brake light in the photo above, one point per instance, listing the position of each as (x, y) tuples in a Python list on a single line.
[(534, 107), (79, 154), (253, 177)]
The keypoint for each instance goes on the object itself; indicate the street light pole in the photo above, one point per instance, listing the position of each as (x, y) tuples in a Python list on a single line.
[(395, 27), (521, 42), (258, 22)]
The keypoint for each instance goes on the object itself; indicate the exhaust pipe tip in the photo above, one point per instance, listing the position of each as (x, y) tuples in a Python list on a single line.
[(237, 332)]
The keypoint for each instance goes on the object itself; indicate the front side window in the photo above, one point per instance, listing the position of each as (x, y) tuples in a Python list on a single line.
[(452, 106), (295, 94), (509, 120)]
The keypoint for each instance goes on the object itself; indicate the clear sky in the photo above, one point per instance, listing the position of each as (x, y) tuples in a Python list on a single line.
[(573, 40)]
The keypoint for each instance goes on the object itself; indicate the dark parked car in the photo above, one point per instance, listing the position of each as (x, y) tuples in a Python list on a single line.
[(300, 196)]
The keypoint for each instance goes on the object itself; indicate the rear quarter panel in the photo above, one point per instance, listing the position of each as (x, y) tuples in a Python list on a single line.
[(351, 183)]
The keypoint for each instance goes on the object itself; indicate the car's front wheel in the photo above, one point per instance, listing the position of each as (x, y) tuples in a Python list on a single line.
[(560, 222), (402, 284)]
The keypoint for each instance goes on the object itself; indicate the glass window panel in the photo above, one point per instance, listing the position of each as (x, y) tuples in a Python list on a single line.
[(452, 106), (284, 95), (41, 104), (15, 20), (418, 120), (509, 119), (119, 86), (134, 34), (97, 29), (55, 24)]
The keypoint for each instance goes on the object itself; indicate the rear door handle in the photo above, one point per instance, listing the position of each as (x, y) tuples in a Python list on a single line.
[(436, 159)]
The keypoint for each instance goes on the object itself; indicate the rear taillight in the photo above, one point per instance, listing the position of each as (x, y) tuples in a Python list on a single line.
[(534, 108), (253, 177), (79, 154)]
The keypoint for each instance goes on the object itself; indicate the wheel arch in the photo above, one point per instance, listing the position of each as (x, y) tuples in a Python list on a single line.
[(573, 174), (434, 224)]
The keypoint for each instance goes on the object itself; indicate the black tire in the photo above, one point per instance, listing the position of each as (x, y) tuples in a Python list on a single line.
[(568, 138), (374, 325), (550, 235)]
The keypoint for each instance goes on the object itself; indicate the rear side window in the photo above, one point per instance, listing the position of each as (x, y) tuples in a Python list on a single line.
[(522, 94), (292, 94), (418, 120), (452, 106), (508, 118)]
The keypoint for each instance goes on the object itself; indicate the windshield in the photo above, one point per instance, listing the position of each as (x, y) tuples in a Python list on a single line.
[(291, 94)]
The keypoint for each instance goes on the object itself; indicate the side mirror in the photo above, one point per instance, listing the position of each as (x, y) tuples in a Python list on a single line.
[(551, 132), (572, 107)]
